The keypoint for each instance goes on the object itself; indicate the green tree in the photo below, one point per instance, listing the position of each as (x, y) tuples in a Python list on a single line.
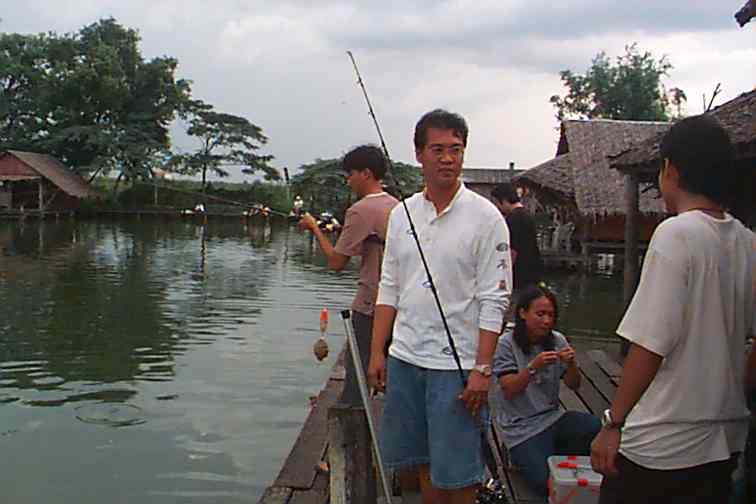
[(89, 98), (630, 89), (225, 140), (321, 184)]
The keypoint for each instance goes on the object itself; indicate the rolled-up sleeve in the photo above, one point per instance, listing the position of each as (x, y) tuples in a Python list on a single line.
[(494, 275), (388, 289)]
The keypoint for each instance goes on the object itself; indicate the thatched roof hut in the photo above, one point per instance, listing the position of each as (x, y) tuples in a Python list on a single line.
[(579, 177), (737, 116), (27, 170), (552, 182), (599, 190)]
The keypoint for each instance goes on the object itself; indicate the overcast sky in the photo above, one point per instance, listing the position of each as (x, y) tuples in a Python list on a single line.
[(283, 63)]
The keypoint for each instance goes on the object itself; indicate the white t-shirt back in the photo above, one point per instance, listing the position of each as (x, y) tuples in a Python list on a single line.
[(695, 307)]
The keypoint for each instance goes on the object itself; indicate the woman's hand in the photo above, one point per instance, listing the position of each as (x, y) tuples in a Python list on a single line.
[(567, 355), (544, 359)]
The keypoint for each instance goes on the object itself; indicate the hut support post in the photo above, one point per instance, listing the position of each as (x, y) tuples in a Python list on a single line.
[(41, 196), (632, 235), (350, 457)]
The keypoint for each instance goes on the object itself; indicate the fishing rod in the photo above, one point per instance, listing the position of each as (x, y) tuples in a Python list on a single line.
[(431, 283), (485, 446)]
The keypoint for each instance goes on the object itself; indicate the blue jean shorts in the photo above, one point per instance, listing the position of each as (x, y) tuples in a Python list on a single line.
[(425, 423)]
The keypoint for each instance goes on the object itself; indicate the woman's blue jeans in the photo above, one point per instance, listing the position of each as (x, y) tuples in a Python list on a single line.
[(570, 435)]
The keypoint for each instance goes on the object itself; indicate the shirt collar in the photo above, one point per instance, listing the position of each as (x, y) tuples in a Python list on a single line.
[(460, 192), (374, 195)]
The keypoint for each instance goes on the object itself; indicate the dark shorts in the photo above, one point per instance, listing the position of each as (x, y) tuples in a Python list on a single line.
[(703, 484), (424, 423)]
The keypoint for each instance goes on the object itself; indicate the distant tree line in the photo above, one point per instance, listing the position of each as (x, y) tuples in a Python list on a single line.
[(92, 100)]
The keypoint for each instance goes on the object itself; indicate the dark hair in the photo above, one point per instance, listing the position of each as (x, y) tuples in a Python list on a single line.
[(440, 119), (505, 192), (524, 299), (702, 152), (366, 157)]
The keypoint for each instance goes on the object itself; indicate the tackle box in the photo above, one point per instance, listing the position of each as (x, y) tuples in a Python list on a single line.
[(572, 480)]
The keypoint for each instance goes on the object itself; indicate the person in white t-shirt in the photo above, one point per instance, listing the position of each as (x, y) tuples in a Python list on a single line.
[(679, 419), (431, 421)]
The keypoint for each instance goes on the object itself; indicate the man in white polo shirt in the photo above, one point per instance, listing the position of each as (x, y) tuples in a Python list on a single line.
[(430, 421), (679, 419)]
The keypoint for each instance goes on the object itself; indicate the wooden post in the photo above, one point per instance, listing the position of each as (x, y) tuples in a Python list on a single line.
[(41, 195), (632, 235), (350, 457)]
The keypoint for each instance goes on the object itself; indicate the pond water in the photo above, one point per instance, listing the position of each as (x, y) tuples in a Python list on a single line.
[(170, 361)]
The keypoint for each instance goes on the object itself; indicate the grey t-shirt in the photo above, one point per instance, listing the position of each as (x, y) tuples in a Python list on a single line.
[(537, 407)]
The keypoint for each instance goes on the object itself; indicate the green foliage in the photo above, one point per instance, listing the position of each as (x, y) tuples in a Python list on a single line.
[(629, 89), (181, 194), (89, 98), (225, 140), (321, 184)]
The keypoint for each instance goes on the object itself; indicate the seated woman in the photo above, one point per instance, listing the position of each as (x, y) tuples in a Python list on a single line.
[(529, 363)]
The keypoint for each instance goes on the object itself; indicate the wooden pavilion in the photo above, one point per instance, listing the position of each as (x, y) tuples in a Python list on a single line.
[(38, 182), (581, 187), (639, 164)]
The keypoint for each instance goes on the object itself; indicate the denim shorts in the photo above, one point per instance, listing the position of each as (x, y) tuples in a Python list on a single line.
[(424, 423)]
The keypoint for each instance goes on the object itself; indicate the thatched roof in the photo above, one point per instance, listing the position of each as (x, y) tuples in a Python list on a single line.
[(554, 176), (53, 170), (737, 116), (487, 175), (599, 191)]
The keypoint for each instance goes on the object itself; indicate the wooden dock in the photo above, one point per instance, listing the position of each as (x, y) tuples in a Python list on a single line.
[(302, 479)]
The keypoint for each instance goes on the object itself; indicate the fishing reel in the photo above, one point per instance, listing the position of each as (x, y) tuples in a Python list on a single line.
[(492, 493)]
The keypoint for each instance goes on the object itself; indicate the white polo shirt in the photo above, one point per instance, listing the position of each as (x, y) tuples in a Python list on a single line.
[(694, 307), (467, 250)]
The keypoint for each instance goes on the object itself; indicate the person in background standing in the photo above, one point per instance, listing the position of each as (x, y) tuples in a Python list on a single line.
[(522, 234)]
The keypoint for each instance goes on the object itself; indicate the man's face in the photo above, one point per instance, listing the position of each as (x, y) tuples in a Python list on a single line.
[(441, 158), (504, 206), (355, 179)]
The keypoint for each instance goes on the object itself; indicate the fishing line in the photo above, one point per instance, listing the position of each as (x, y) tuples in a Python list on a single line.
[(485, 446), (431, 283)]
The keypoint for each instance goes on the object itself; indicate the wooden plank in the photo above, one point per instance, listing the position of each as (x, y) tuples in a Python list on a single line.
[(276, 495), (598, 378), (611, 367), (350, 456), (523, 493), (570, 400), (595, 402), (318, 494), (300, 467), (608, 364)]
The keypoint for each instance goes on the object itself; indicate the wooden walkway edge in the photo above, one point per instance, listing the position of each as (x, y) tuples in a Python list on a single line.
[(301, 482)]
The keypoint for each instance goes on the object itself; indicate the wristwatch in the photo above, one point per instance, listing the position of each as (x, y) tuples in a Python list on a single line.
[(607, 422), (484, 369), (531, 370)]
